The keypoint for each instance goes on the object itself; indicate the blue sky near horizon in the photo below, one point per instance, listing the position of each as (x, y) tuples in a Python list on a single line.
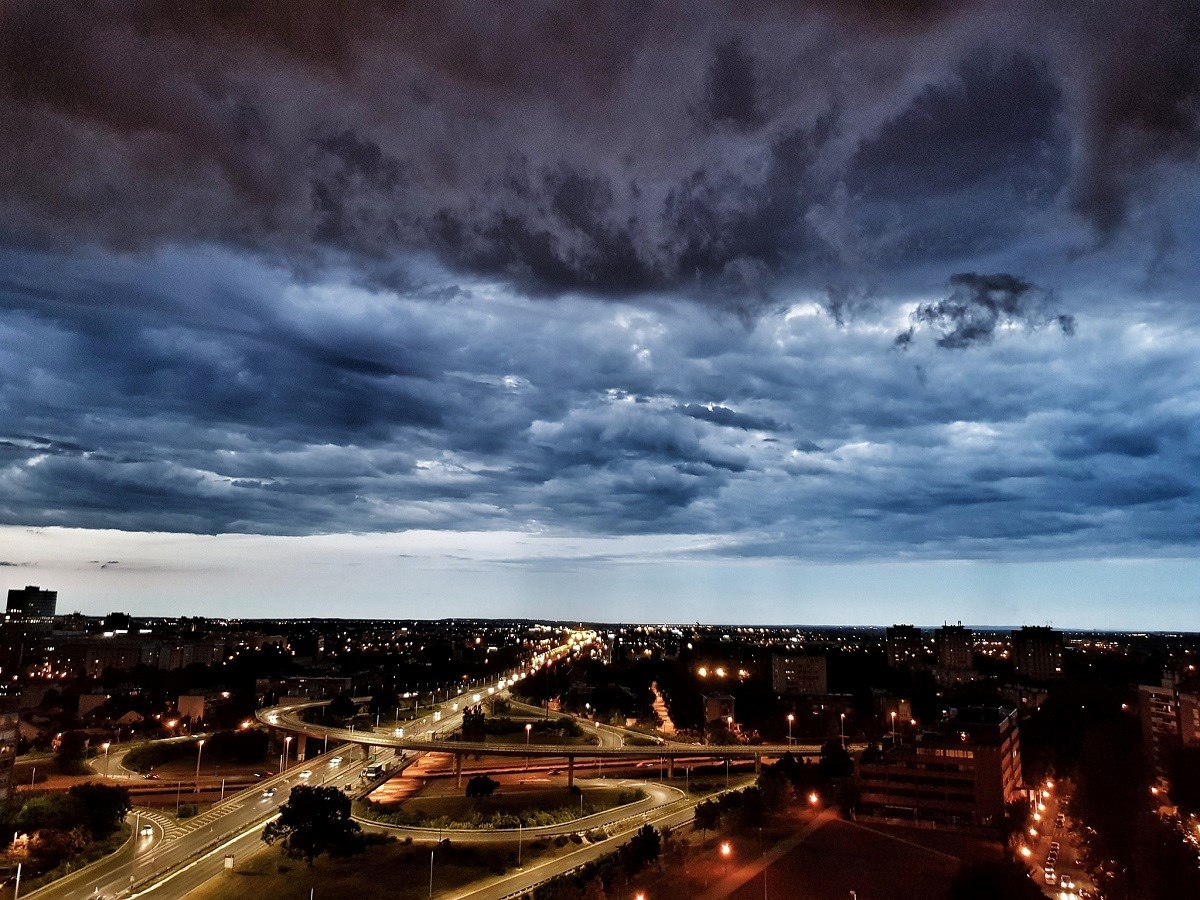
[(855, 313)]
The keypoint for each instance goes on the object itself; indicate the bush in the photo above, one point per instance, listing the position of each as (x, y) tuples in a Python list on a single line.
[(481, 786), (187, 810)]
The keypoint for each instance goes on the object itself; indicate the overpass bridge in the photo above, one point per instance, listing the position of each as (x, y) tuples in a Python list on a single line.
[(287, 718)]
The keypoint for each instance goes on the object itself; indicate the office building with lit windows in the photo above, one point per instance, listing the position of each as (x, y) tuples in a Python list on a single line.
[(962, 774)]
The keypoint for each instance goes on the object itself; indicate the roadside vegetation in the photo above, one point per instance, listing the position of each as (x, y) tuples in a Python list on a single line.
[(490, 809), (57, 829)]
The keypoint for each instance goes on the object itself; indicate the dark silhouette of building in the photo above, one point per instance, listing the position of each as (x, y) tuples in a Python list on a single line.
[(954, 647), (796, 676), (31, 607), (1037, 653), (905, 647)]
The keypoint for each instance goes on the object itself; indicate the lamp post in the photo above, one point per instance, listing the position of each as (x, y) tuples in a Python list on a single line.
[(893, 728), (287, 745), (528, 729), (199, 751), (842, 728), (105, 745), (791, 718), (726, 852)]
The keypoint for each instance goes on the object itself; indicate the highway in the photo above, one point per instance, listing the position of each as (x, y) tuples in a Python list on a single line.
[(173, 843), (288, 718), (177, 855)]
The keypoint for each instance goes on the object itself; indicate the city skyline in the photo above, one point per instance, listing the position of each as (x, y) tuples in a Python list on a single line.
[(822, 316)]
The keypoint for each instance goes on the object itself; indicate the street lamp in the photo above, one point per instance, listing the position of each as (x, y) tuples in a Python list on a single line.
[(105, 745), (726, 851), (842, 728), (791, 718), (528, 728), (199, 750), (893, 728), (287, 741)]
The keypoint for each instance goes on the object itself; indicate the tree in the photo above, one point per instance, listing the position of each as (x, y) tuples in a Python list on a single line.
[(474, 724), (53, 811), (753, 810), (315, 820), (776, 788), (707, 815), (68, 758), (481, 786), (104, 806), (50, 846), (835, 761), (642, 848), (342, 706)]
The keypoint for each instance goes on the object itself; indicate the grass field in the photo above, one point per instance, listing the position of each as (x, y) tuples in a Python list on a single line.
[(402, 868)]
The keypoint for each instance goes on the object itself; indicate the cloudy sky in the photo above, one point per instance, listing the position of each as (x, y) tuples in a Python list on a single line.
[(829, 312)]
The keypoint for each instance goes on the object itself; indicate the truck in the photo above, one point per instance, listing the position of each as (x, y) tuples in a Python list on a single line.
[(375, 770)]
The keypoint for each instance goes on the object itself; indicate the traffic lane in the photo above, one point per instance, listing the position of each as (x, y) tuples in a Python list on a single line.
[(658, 798), (532, 876), (245, 811), (183, 881)]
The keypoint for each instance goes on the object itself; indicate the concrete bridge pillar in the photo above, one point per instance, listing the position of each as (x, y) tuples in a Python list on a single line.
[(570, 772), (670, 767), (301, 745), (757, 763), (458, 770)]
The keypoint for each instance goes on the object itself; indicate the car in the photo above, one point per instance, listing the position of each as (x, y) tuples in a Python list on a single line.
[(307, 773), (147, 831), (268, 793), (336, 761), (151, 776), (1055, 845), (1050, 877)]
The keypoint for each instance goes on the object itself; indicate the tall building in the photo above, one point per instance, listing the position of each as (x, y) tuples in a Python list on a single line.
[(31, 607), (1037, 652), (795, 676), (963, 774), (954, 647), (905, 647), (1189, 717), (1159, 714)]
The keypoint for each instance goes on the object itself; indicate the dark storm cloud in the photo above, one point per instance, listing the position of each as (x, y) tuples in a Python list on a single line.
[(612, 150), (1141, 103), (296, 409), (729, 418), (387, 267), (978, 305)]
